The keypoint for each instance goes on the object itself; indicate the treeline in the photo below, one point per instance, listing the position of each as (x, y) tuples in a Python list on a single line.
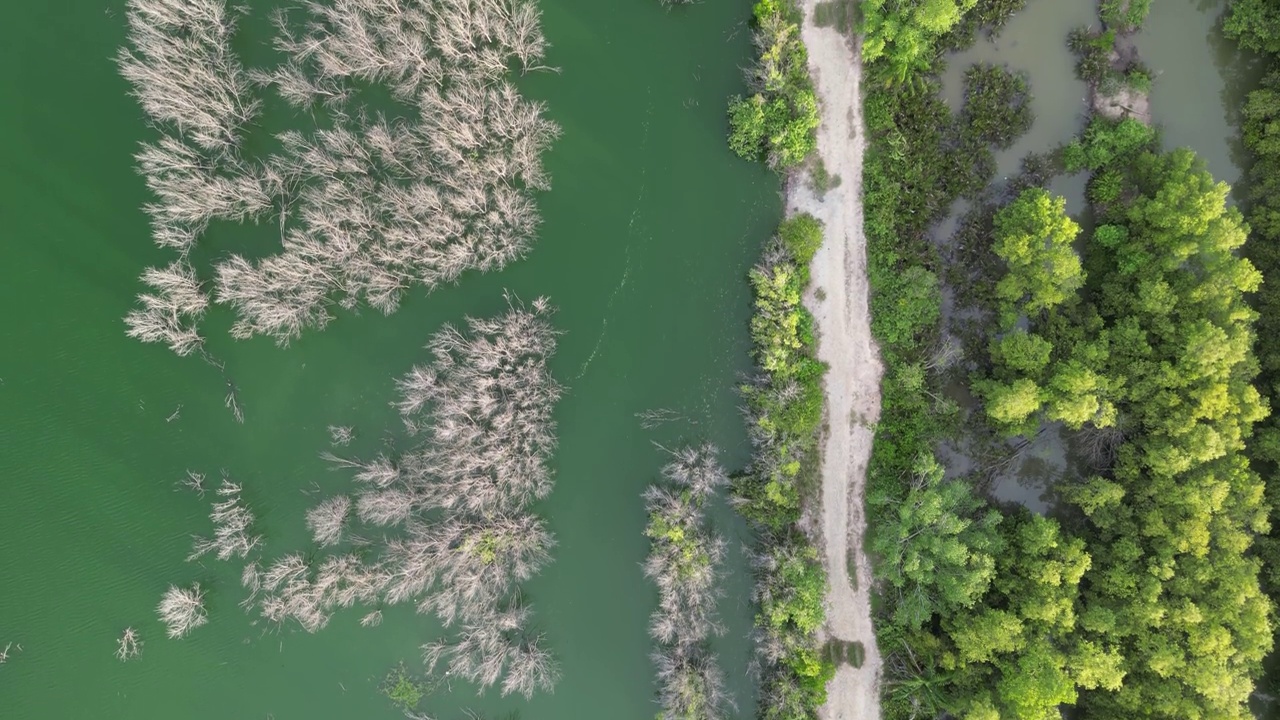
[(777, 123), (1142, 601), (785, 410), (940, 552), (1255, 25), (369, 202), (1150, 359)]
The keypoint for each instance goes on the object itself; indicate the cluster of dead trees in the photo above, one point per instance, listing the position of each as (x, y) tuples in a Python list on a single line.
[(458, 538), (685, 562), (232, 524), (367, 205)]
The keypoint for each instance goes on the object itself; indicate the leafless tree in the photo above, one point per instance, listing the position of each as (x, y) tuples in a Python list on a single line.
[(327, 520), (192, 189), (232, 523), (685, 558), (293, 589), (195, 481), (341, 434), (129, 645), (497, 646), (385, 507), (232, 401), (183, 71), (690, 683), (685, 561), (697, 469), (486, 407), (1100, 445), (171, 314), (368, 207), (468, 564), (182, 610), (481, 412)]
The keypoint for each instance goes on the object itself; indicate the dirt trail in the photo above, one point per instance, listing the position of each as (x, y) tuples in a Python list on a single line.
[(844, 342)]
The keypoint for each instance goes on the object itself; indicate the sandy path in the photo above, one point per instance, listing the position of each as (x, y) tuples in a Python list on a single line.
[(844, 342)]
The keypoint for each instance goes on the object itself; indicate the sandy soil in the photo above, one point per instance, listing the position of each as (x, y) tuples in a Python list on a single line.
[(853, 383)]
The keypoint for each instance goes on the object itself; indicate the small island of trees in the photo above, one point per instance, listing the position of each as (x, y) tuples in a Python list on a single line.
[(685, 562)]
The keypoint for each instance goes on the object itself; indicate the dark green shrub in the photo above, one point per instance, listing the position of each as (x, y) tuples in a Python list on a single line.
[(802, 234)]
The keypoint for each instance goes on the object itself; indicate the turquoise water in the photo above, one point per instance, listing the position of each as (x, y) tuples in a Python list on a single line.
[(648, 232)]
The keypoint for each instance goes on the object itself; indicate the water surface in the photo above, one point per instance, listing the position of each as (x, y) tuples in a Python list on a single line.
[(648, 233)]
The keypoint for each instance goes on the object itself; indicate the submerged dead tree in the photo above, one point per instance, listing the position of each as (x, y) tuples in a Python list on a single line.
[(232, 523), (182, 610), (685, 560), (368, 205), (128, 645)]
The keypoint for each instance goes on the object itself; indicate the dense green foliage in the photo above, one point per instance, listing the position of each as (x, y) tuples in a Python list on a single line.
[(1106, 143), (1143, 601), (1103, 63), (785, 407), (785, 403), (997, 109), (1098, 63), (1172, 586), (1033, 235), (791, 592), (900, 34), (1256, 25), (1159, 369), (931, 550), (778, 122)]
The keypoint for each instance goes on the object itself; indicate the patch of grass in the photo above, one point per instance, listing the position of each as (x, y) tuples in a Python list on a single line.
[(851, 566), (820, 180), (850, 652)]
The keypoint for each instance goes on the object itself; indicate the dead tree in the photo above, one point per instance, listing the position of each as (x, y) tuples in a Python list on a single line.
[(232, 523), (328, 519), (129, 645), (685, 563), (182, 610)]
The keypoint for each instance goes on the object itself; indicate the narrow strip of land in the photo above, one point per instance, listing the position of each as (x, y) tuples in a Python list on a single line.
[(844, 342)]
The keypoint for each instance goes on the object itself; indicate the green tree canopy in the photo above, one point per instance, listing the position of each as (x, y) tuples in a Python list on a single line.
[(900, 33), (1033, 235), (934, 552)]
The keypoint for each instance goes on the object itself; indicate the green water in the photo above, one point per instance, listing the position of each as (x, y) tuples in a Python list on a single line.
[(648, 233)]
